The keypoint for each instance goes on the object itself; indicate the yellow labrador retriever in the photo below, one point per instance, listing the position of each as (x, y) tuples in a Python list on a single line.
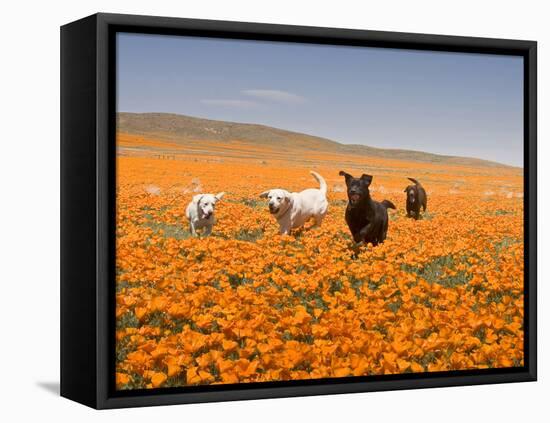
[(293, 209), (200, 212)]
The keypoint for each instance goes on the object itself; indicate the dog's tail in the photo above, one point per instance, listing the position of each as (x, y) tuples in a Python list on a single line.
[(321, 180), (414, 181), (388, 204)]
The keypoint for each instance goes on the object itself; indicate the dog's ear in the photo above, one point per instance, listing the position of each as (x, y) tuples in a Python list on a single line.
[(366, 178), (264, 194), (197, 198), (286, 195), (219, 196), (346, 175)]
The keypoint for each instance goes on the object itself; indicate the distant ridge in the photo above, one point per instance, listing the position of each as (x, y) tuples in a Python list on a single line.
[(181, 128)]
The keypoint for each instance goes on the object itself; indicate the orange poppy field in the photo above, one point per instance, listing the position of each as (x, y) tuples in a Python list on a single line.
[(249, 305)]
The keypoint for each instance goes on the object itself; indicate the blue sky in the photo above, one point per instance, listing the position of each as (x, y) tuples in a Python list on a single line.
[(447, 103)]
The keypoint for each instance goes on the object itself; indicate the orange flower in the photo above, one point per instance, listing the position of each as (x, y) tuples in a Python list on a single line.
[(158, 379), (122, 378)]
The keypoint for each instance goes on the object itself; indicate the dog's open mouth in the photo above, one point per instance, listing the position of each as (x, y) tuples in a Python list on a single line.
[(274, 210), (354, 198)]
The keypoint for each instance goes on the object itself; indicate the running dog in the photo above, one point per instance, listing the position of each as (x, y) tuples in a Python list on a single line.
[(200, 212), (293, 209), (416, 198), (367, 219)]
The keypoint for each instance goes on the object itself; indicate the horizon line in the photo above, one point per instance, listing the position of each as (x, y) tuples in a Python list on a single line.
[(328, 139)]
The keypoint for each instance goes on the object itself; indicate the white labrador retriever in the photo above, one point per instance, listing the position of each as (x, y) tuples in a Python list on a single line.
[(293, 209), (200, 212)]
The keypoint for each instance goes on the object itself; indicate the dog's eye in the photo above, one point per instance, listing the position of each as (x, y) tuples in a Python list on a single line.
[(278, 198)]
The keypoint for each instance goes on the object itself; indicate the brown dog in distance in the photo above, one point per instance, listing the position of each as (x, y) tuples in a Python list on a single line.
[(416, 198)]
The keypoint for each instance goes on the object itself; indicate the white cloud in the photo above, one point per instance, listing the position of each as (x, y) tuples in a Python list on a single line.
[(260, 96), (228, 102), (275, 95)]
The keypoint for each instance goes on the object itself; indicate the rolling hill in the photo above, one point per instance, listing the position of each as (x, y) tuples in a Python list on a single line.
[(180, 129)]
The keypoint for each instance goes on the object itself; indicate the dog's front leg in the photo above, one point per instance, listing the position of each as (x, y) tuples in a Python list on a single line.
[(357, 237), (192, 229), (363, 233), (207, 230), (284, 229)]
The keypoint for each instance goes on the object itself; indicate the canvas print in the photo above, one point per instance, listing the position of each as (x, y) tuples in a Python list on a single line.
[(290, 211)]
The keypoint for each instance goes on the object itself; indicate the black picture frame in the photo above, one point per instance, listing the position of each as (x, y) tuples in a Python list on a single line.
[(88, 199)]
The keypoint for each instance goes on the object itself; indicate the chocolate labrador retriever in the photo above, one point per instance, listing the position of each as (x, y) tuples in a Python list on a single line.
[(416, 198), (367, 219)]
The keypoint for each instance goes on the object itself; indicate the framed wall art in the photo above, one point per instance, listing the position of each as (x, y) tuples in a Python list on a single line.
[(256, 211)]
